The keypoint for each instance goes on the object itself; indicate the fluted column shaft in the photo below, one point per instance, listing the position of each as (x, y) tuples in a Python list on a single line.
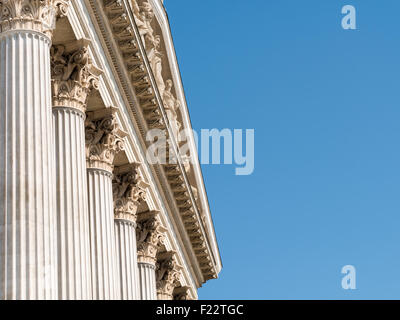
[(105, 275), (74, 267), (125, 233), (70, 92), (104, 140), (147, 278), (28, 258)]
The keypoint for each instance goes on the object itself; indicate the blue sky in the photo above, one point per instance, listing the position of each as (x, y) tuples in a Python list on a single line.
[(325, 106)]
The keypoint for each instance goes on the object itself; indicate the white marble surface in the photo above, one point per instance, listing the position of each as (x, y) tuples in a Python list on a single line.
[(74, 269), (105, 272), (147, 278), (28, 258), (127, 256)]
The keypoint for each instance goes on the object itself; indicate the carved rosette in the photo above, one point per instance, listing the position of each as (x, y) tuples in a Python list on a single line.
[(167, 275), (36, 15), (127, 196), (73, 77), (150, 237), (103, 141)]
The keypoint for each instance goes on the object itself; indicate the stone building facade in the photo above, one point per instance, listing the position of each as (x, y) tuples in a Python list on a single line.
[(84, 214)]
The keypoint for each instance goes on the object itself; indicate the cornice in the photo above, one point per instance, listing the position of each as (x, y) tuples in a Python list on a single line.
[(172, 177), (104, 139), (174, 73), (115, 90)]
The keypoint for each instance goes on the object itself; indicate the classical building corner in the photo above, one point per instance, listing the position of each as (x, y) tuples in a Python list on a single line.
[(87, 216)]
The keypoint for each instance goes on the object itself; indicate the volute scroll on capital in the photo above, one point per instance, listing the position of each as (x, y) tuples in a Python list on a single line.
[(104, 139), (128, 193), (73, 74), (150, 237), (35, 15), (145, 18)]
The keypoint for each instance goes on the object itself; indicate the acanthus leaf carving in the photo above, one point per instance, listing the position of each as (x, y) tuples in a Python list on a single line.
[(182, 293), (167, 276), (172, 106), (73, 75), (104, 140), (36, 15), (150, 237), (142, 78), (128, 194)]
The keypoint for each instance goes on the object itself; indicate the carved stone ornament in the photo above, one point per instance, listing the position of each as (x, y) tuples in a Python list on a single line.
[(36, 15), (150, 236), (144, 17), (172, 106), (128, 195), (104, 140), (182, 293), (167, 277), (73, 75)]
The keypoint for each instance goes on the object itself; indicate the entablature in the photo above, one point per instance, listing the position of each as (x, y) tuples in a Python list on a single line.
[(146, 80)]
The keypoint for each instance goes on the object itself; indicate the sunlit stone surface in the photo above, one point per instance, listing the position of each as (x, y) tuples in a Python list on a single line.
[(84, 215)]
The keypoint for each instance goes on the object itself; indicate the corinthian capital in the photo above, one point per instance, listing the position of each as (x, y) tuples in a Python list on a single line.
[(73, 74), (128, 192), (167, 275), (104, 140), (182, 293), (36, 15), (150, 236)]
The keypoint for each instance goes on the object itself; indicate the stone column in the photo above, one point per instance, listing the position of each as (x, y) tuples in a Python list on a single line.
[(149, 238), (103, 142), (167, 275), (127, 197), (73, 76), (28, 256)]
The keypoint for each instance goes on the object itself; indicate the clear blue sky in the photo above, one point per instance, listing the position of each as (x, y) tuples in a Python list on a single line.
[(325, 105)]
